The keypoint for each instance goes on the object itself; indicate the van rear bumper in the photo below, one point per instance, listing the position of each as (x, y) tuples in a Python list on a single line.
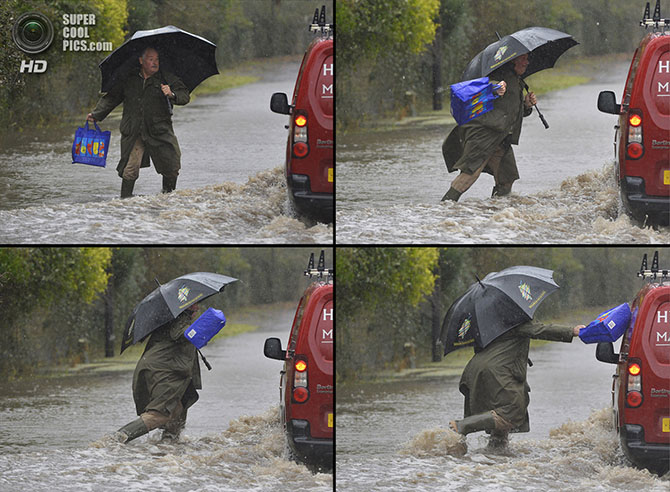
[(639, 202), (307, 448), (649, 455), (316, 205)]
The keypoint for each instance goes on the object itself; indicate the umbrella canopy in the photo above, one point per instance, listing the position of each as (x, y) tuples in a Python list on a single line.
[(188, 56), (544, 46), (495, 305), (168, 301)]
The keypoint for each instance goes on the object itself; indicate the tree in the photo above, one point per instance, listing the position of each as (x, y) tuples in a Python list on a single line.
[(379, 291), (367, 29)]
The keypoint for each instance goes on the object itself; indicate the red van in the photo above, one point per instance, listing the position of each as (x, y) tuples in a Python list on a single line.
[(641, 385), (310, 149), (642, 138), (306, 381)]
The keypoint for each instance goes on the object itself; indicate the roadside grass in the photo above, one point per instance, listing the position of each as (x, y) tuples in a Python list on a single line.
[(128, 359), (567, 73), (226, 80), (452, 364)]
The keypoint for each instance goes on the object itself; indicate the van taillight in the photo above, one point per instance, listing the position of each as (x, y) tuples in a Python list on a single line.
[(301, 120), (300, 395), (300, 145), (300, 391), (635, 149), (634, 385)]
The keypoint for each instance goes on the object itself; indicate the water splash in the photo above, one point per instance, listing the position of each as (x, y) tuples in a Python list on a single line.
[(248, 455), (256, 212), (436, 442), (584, 209)]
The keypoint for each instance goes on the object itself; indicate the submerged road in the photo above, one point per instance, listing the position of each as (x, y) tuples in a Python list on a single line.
[(52, 431), (231, 186), (389, 184)]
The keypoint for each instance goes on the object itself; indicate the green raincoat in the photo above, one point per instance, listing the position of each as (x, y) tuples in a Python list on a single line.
[(168, 371), (495, 378), (146, 114), (468, 146)]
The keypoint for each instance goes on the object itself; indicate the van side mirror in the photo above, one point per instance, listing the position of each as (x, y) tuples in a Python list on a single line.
[(279, 103), (605, 353), (272, 349), (607, 103)]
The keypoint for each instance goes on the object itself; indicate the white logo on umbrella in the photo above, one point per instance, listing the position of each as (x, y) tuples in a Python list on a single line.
[(499, 54), (464, 328), (182, 294), (524, 288)]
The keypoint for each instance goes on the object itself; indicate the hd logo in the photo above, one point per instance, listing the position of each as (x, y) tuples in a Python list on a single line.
[(33, 66), (33, 33)]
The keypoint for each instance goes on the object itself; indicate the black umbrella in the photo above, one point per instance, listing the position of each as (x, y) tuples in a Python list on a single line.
[(188, 56), (495, 305), (543, 45), (168, 301)]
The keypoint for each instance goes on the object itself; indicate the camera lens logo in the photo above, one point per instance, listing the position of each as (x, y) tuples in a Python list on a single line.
[(33, 32)]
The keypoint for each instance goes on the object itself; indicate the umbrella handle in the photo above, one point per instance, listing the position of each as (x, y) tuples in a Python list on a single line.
[(209, 367), (544, 122)]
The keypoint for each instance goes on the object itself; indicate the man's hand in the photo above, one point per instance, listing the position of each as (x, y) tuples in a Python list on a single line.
[(575, 330), (530, 100), (166, 90), (90, 118), (503, 88)]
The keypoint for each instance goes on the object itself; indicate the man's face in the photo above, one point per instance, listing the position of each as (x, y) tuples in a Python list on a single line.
[(521, 64), (149, 62)]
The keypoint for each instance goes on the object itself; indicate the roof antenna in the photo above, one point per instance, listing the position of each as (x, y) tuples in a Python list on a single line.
[(322, 18), (315, 20), (654, 263), (499, 38), (646, 13), (657, 11), (156, 279), (644, 264), (322, 262)]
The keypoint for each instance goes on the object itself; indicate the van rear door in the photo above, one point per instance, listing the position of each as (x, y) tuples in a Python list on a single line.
[(321, 347), (655, 99), (655, 342)]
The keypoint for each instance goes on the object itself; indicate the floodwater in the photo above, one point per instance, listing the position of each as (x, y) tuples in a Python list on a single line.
[(392, 436), (230, 188), (390, 183), (52, 431)]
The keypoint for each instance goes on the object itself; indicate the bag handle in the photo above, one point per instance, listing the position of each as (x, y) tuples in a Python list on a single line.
[(494, 88), (96, 126)]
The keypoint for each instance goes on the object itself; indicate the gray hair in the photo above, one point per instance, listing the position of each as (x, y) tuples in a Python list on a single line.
[(144, 51)]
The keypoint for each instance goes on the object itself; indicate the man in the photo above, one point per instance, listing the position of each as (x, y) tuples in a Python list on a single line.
[(494, 382), (484, 143), (165, 381), (146, 126)]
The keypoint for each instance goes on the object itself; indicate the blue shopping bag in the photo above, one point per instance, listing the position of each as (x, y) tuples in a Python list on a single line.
[(90, 146), (472, 98), (608, 326), (205, 327)]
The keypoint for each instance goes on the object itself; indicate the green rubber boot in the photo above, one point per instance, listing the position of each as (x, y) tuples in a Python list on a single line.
[(475, 423), (134, 430), (452, 195), (127, 186)]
